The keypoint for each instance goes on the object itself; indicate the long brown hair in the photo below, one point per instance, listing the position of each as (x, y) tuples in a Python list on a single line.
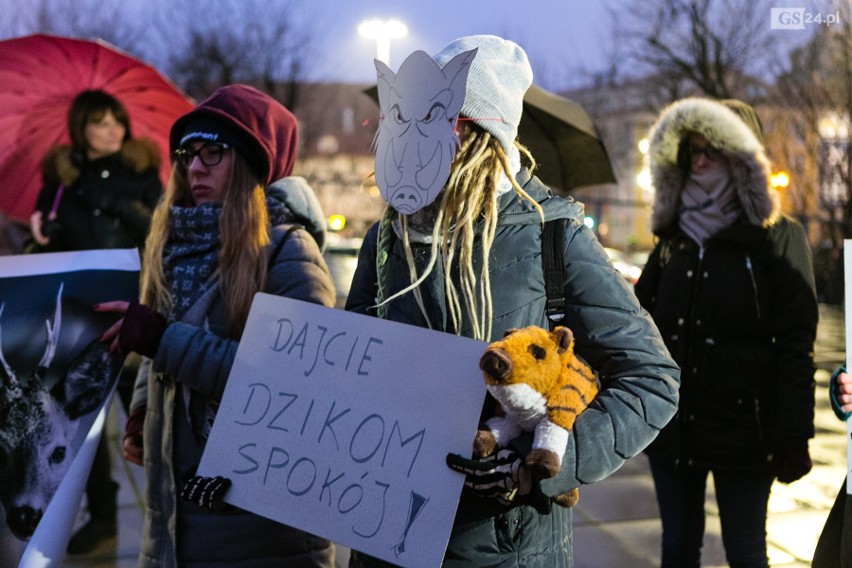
[(244, 230), (468, 200)]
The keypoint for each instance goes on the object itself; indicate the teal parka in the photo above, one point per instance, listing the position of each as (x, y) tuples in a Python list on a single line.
[(613, 334)]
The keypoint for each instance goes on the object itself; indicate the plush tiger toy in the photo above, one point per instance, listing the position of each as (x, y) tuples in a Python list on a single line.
[(542, 387)]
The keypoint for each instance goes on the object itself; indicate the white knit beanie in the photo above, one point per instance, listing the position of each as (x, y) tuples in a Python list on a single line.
[(499, 76)]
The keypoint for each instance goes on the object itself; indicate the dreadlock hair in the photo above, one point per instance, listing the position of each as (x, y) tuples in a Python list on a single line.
[(468, 206), (244, 230)]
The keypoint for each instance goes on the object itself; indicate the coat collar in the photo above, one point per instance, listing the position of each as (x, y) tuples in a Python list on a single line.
[(138, 154)]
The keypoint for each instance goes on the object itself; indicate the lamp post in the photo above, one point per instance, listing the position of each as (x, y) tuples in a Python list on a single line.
[(382, 31)]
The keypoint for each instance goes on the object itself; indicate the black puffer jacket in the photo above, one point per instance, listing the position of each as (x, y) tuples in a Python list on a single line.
[(105, 203), (739, 316), (613, 334)]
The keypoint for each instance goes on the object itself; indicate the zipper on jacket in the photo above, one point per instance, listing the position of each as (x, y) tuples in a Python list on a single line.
[(689, 332), (753, 285)]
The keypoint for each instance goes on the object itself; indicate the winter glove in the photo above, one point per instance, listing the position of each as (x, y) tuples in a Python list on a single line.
[(132, 442), (142, 330), (208, 492), (793, 463), (135, 423), (501, 476), (834, 393)]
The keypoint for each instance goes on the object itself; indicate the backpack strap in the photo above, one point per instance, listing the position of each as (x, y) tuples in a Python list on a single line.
[(553, 264)]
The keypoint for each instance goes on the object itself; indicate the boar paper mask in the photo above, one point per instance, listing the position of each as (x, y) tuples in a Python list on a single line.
[(416, 140)]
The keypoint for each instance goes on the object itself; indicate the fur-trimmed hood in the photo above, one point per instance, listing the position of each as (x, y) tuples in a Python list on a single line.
[(138, 154), (724, 129)]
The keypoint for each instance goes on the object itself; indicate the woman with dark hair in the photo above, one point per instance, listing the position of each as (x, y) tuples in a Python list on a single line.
[(730, 284), (232, 222), (100, 191)]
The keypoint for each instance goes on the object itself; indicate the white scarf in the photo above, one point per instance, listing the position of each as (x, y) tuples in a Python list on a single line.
[(709, 203), (505, 185)]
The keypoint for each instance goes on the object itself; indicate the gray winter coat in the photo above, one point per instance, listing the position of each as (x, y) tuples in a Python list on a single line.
[(613, 334), (198, 359)]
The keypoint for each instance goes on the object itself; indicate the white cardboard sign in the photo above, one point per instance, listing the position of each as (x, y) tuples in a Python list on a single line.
[(339, 424)]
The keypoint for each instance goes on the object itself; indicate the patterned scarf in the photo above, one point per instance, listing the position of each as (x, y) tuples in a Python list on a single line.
[(191, 254), (709, 203)]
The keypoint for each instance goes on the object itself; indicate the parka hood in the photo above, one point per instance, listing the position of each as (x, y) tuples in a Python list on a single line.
[(726, 130), (517, 211), (295, 193), (267, 126), (138, 154)]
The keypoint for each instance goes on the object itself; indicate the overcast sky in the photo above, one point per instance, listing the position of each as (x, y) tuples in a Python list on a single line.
[(558, 35), (563, 38), (566, 40)]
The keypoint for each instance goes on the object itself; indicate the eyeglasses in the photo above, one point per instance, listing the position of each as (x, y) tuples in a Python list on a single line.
[(210, 154), (712, 154)]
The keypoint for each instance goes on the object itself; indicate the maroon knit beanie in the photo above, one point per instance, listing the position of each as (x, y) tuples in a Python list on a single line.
[(269, 131)]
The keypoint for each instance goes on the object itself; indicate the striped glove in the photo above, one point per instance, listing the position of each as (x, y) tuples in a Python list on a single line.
[(208, 492), (501, 476)]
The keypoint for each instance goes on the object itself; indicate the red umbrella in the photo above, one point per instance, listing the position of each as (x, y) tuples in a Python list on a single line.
[(39, 77)]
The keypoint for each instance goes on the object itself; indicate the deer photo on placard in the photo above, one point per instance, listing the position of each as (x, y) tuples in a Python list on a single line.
[(39, 420)]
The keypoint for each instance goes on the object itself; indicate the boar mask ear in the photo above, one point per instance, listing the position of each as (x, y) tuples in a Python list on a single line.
[(384, 79), (510, 331), (457, 69), (563, 337)]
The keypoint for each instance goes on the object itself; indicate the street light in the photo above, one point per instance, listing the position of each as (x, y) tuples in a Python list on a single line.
[(779, 180), (382, 31), (832, 126), (336, 222)]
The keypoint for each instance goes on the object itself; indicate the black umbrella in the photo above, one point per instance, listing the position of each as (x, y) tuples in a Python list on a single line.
[(562, 138), (564, 141)]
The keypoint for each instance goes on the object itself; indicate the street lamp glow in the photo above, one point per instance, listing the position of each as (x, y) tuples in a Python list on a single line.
[(336, 222), (382, 31), (833, 126), (779, 180), (643, 179)]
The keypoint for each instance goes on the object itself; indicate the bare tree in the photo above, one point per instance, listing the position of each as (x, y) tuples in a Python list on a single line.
[(249, 41), (120, 24), (211, 58), (817, 85), (713, 47)]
